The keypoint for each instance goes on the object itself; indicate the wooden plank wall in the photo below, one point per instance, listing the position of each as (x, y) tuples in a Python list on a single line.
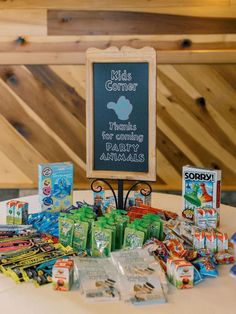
[(42, 82)]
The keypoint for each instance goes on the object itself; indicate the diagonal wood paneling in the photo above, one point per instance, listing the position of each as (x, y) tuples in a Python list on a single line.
[(42, 112), (34, 130), (46, 106), (126, 23)]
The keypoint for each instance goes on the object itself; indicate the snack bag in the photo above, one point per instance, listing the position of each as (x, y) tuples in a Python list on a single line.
[(66, 231), (206, 267), (80, 235), (143, 290), (101, 240), (133, 238)]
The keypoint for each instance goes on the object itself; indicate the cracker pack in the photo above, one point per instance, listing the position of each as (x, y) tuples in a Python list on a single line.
[(55, 186), (200, 189)]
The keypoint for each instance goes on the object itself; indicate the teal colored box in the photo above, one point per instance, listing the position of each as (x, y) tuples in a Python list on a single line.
[(55, 185)]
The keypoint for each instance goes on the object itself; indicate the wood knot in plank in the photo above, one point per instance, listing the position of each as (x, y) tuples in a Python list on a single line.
[(66, 19), (201, 102), (20, 128), (185, 43), (21, 40), (11, 77), (215, 166)]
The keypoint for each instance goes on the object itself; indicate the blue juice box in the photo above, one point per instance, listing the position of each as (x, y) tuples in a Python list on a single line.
[(201, 189), (55, 185)]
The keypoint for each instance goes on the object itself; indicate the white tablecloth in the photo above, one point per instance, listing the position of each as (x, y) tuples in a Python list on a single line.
[(214, 296)]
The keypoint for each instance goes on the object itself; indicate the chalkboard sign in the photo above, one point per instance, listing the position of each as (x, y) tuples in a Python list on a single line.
[(121, 113)]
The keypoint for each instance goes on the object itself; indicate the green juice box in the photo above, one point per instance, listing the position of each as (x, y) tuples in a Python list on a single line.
[(10, 205), (21, 213)]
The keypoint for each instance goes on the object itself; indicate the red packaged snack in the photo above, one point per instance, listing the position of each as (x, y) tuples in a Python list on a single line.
[(223, 258), (175, 247), (190, 255), (170, 215)]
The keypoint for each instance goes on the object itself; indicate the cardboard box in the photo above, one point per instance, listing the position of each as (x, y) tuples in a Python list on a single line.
[(200, 189), (180, 273), (183, 275), (55, 186), (62, 274), (21, 213), (10, 206)]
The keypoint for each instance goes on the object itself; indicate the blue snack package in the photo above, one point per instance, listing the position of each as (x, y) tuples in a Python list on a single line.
[(45, 222), (206, 267), (205, 253), (197, 277)]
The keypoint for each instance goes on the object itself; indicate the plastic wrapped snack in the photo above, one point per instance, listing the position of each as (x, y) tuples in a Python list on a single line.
[(206, 267), (98, 279), (139, 263), (142, 290)]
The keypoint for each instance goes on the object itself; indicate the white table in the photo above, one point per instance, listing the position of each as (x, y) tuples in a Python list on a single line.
[(214, 296)]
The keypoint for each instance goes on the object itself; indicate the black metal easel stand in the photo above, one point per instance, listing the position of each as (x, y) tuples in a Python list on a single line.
[(119, 201)]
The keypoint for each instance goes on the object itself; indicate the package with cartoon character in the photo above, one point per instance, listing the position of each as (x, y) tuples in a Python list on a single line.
[(180, 273), (55, 186)]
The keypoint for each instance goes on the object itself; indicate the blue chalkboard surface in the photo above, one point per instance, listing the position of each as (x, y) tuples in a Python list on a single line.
[(120, 97)]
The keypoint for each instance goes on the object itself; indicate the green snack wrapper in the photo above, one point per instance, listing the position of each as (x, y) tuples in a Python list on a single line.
[(101, 240), (80, 235), (133, 238), (66, 231)]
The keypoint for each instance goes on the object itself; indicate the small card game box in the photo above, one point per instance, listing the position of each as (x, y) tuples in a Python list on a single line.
[(200, 189), (62, 274), (55, 186)]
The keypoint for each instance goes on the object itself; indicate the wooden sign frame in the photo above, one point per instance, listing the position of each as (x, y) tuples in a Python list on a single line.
[(123, 55)]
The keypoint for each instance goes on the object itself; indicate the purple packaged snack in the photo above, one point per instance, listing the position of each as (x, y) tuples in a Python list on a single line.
[(157, 248)]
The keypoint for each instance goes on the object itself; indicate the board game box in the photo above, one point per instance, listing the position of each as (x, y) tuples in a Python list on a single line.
[(200, 189), (55, 186)]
